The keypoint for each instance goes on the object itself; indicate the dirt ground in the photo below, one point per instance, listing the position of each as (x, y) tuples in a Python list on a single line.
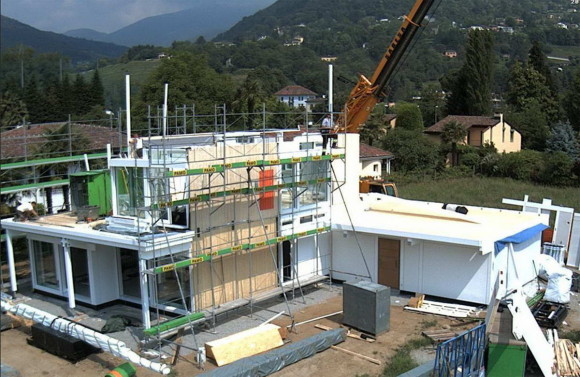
[(31, 361)]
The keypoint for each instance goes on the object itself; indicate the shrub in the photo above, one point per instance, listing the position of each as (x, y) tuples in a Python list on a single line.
[(524, 165), (557, 170)]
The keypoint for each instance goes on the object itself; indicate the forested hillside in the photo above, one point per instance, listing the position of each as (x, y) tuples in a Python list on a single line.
[(15, 34)]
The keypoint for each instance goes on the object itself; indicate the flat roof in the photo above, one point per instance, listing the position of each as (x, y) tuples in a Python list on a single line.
[(396, 217), (65, 225)]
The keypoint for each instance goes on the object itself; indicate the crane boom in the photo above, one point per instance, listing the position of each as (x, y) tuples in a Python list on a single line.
[(367, 92)]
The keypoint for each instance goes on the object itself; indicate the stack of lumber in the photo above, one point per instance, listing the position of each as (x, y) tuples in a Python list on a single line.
[(567, 358), (243, 344)]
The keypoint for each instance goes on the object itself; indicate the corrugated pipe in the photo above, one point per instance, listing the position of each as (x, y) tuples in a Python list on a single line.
[(96, 339)]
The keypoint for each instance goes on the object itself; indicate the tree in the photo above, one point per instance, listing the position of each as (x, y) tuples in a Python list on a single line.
[(562, 139), (12, 111), (537, 60), (532, 123), (413, 151), (527, 86), (375, 127), (471, 88), (191, 80), (572, 102), (96, 90), (409, 116), (453, 133)]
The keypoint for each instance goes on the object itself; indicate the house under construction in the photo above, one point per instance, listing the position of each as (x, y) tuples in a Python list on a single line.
[(201, 223)]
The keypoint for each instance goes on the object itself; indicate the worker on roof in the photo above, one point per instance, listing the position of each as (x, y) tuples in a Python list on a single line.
[(26, 211)]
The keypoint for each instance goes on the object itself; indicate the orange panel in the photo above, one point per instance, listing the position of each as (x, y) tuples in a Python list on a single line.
[(267, 198)]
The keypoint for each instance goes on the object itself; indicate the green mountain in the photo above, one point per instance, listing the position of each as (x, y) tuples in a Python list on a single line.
[(205, 18), (14, 33)]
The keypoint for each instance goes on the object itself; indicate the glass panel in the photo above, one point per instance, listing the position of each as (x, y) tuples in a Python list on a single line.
[(80, 270), (287, 194), (315, 192), (168, 286), (130, 273), (130, 193), (45, 265)]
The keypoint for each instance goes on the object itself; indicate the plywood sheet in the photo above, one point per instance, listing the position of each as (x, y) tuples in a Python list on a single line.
[(244, 344)]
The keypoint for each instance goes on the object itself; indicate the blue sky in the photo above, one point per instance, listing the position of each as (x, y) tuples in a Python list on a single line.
[(101, 15)]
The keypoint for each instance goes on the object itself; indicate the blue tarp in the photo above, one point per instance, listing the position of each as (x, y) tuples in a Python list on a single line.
[(520, 237)]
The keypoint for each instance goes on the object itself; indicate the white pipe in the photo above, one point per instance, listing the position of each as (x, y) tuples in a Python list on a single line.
[(128, 105), (144, 294), (104, 342), (11, 265), (330, 97), (271, 319), (165, 110), (109, 153), (87, 167), (68, 273)]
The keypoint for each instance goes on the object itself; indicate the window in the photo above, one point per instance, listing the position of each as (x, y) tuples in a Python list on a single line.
[(167, 292), (306, 145), (310, 172), (130, 191), (80, 271), (512, 136), (244, 139), (45, 265), (375, 167)]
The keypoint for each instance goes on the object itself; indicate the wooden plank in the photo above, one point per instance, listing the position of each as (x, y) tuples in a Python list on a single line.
[(451, 310), (322, 327), (374, 361), (178, 346), (243, 344)]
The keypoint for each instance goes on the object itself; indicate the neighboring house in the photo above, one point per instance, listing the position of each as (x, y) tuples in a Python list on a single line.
[(26, 148), (391, 120), (296, 96), (28, 142), (481, 130), (450, 53), (374, 161)]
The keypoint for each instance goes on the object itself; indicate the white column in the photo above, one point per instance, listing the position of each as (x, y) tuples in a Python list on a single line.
[(128, 105), (69, 273), (330, 95), (11, 266), (144, 293)]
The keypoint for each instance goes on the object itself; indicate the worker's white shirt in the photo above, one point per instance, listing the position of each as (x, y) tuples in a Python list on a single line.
[(138, 143), (326, 122), (25, 207)]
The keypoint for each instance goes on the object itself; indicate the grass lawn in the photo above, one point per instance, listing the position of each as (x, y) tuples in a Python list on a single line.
[(486, 192)]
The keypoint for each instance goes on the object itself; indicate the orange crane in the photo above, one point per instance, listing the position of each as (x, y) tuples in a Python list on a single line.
[(366, 93)]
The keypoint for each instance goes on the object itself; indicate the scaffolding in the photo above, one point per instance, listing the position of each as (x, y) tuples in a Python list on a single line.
[(256, 211)]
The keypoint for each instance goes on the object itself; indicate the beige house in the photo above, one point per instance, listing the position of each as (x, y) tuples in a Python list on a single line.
[(481, 130), (373, 161)]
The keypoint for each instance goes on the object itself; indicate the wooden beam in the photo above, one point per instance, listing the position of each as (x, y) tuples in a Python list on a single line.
[(374, 361)]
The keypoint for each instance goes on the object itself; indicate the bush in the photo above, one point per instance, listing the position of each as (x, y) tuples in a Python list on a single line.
[(524, 165), (557, 170)]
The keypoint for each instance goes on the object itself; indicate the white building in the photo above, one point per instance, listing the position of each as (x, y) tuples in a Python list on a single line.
[(296, 96)]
